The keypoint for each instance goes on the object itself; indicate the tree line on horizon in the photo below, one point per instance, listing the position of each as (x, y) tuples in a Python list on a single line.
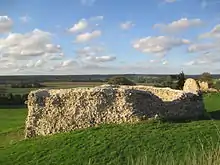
[(172, 81)]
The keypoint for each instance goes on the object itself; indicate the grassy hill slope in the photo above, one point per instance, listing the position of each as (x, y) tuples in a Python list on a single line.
[(166, 143)]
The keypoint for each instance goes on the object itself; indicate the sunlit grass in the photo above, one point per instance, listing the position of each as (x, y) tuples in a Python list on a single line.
[(145, 143)]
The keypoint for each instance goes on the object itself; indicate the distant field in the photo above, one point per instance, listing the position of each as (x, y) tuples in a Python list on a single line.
[(54, 85), (71, 84)]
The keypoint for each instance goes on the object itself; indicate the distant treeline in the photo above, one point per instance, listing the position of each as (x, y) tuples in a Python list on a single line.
[(69, 78), (89, 80), (27, 85), (10, 99)]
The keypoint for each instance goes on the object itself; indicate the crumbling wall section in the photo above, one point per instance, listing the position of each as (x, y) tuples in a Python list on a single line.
[(53, 111)]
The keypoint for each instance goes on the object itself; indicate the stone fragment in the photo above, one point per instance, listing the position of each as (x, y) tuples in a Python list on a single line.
[(191, 86)]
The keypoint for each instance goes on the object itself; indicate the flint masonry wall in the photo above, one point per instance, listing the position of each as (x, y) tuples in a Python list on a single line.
[(178, 104), (204, 86), (53, 111)]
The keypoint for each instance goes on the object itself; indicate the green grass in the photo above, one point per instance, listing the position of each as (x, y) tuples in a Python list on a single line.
[(11, 125), (20, 90), (114, 144), (12, 119), (195, 143), (212, 101)]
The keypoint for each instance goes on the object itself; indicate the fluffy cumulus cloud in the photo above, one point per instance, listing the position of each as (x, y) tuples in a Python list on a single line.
[(79, 26), (207, 52), (6, 24), (94, 54), (100, 59), (67, 63), (209, 58), (32, 44), (214, 33), (89, 59), (127, 25), (158, 45), (33, 64), (83, 24), (179, 25), (203, 47), (158, 62), (88, 36)]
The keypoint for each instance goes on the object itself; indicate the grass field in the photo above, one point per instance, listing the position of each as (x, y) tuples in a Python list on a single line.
[(11, 125), (212, 101), (196, 143)]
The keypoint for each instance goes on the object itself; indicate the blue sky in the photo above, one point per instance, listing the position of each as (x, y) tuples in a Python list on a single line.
[(109, 36)]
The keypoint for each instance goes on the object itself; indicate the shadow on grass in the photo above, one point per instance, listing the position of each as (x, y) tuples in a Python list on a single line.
[(13, 106), (207, 115), (214, 115)]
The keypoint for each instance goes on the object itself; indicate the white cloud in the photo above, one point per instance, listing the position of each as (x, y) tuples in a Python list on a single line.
[(66, 66), (25, 19), (94, 54), (85, 37), (80, 26), (214, 33), (179, 25), (202, 47), (67, 62), (33, 44), (152, 61), (189, 63), (100, 59), (55, 57), (50, 48), (207, 53), (39, 63), (158, 61), (209, 58), (31, 64), (158, 45), (6, 24), (84, 24), (89, 51), (127, 25)]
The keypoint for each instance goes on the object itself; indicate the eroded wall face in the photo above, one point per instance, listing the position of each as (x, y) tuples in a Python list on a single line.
[(166, 94), (53, 111)]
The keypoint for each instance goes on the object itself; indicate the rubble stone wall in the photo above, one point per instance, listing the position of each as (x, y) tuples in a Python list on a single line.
[(63, 110), (204, 86)]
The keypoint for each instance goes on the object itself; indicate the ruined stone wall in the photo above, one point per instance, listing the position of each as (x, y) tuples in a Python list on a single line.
[(166, 94), (53, 111), (204, 86)]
